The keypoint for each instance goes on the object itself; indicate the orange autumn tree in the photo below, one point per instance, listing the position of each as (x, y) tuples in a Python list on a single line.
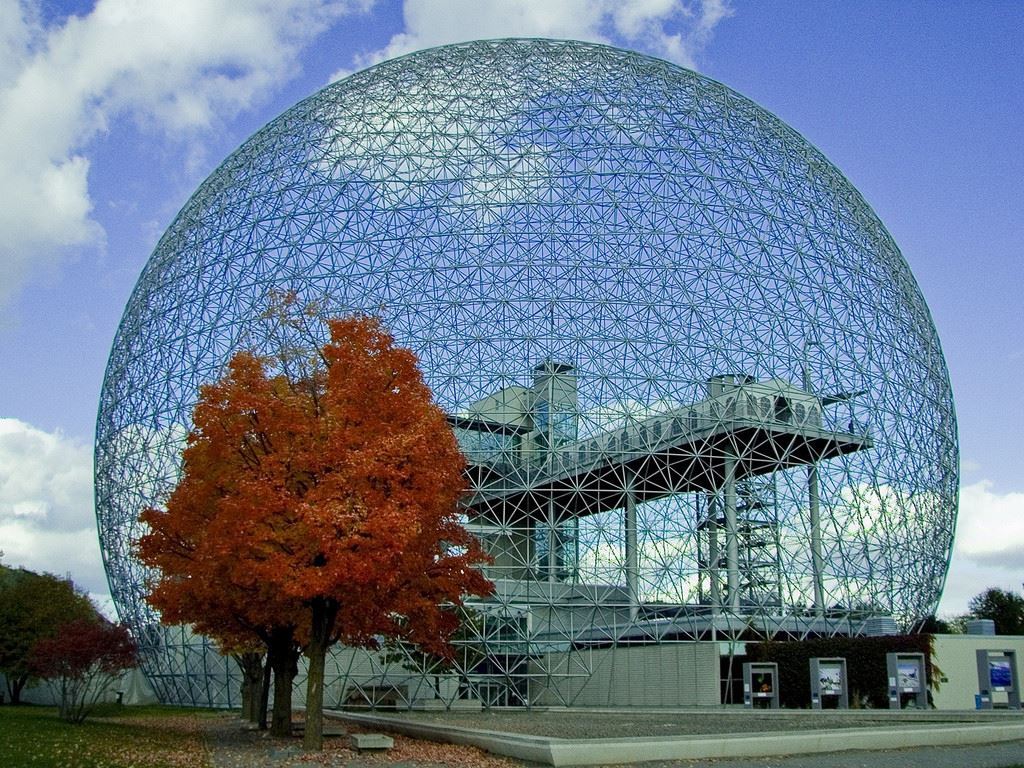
[(330, 502), (200, 579)]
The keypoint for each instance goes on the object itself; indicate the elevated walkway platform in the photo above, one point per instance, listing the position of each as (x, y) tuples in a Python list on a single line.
[(659, 457)]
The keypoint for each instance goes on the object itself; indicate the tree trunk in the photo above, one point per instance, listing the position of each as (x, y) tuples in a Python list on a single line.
[(251, 665), (322, 626), (14, 686), (63, 697), (285, 654), (245, 690), (281, 720), (261, 715)]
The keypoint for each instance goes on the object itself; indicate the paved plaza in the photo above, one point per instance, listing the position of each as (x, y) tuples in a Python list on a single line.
[(628, 723), (727, 736)]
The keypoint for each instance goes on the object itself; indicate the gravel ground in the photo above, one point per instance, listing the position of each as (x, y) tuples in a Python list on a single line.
[(233, 744), (575, 724)]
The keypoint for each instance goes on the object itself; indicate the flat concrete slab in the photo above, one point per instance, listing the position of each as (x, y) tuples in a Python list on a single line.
[(550, 750), (370, 742)]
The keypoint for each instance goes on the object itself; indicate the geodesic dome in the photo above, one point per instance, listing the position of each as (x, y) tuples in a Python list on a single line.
[(695, 381)]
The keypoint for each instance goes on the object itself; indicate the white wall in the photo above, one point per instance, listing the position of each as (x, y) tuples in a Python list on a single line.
[(955, 657), (133, 685)]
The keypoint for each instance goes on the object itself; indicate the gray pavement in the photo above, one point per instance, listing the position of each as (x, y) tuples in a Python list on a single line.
[(630, 723)]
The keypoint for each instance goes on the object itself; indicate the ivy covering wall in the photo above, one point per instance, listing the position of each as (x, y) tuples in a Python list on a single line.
[(865, 665)]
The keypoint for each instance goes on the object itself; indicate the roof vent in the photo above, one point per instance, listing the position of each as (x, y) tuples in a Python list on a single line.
[(881, 626), (981, 627)]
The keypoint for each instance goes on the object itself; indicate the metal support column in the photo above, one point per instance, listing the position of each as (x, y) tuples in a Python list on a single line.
[(817, 566), (714, 556), (732, 547), (632, 557), (552, 562), (817, 562)]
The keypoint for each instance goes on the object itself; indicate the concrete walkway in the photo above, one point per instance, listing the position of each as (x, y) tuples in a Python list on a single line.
[(1003, 755)]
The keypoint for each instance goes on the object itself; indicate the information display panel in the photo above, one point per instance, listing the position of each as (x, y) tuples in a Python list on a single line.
[(998, 681), (829, 683), (908, 684), (761, 685)]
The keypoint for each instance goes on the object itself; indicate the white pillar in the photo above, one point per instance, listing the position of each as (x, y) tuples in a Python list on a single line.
[(714, 556), (732, 547), (632, 556), (817, 563), (552, 564)]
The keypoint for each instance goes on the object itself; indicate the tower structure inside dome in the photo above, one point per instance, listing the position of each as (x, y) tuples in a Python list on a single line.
[(537, 477)]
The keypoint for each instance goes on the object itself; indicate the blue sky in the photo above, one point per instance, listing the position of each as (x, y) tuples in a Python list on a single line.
[(111, 113)]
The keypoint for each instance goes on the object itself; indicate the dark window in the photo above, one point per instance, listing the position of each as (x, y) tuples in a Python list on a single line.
[(783, 412)]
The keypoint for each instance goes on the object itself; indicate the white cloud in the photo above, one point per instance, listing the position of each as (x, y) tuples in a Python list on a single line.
[(674, 29), (174, 67), (183, 67), (46, 505), (989, 550)]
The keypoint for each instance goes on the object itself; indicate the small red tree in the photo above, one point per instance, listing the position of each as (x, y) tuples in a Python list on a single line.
[(328, 500), (33, 606), (82, 662)]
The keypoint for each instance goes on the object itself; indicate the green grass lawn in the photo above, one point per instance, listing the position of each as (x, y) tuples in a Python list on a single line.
[(112, 737)]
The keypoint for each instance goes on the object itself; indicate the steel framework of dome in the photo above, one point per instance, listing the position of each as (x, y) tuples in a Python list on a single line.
[(698, 388)]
